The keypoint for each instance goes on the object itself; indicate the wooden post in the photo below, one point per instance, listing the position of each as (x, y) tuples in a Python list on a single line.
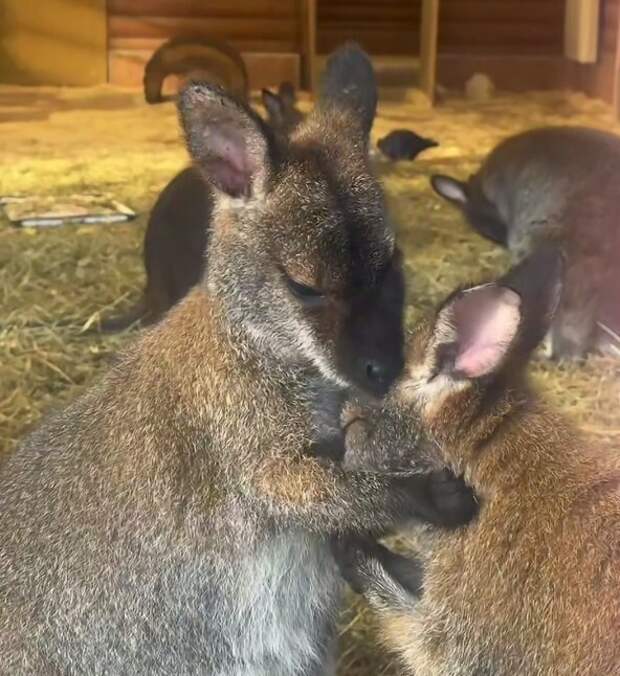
[(428, 46), (616, 73), (309, 44)]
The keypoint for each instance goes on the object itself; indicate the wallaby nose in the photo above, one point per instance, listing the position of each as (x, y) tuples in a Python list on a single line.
[(379, 375), (375, 372)]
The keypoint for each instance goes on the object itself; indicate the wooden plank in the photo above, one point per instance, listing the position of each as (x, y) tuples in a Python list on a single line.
[(202, 8), (373, 41), (309, 45), (285, 30), (53, 43), (339, 13), (428, 47), (476, 26), (503, 10), (615, 96), (268, 46), (126, 67), (250, 45)]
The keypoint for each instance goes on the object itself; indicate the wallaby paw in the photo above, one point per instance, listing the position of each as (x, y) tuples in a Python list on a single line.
[(453, 499)]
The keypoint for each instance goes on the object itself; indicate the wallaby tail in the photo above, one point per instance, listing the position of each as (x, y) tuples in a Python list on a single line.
[(134, 315), (186, 53), (349, 82)]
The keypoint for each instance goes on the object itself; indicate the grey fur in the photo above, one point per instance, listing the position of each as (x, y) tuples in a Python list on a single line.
[(560, 184)]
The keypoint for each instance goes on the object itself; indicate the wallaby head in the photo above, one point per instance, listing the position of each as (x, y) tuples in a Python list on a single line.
[(282, 112), (464, 371), (481, 213), (302, 255)]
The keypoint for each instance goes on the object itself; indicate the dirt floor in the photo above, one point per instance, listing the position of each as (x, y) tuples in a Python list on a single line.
[(55, 282)]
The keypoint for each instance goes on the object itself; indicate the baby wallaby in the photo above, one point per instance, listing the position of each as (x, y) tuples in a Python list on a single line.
[(556, 184), (531, 586), (282, 112), (177, 234), (175, 518)]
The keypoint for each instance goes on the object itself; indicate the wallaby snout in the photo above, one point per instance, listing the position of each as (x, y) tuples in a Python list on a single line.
[(371, 350)]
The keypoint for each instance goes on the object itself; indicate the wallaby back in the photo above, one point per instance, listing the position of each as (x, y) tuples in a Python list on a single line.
[(555, 183)]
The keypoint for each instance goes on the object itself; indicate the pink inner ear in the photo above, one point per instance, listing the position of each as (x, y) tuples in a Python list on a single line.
[(487, 320), (230, 166)]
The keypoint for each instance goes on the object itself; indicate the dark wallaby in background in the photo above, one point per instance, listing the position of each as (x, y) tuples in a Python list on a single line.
[(175, 518), (175, 241), (560, 184), (531, 586)]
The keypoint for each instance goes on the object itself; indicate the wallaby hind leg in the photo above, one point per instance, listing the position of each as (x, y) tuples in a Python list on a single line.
[(388, 581)]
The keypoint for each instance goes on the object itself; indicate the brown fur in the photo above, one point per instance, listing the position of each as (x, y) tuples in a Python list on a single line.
[(176, 238), (530, 587)]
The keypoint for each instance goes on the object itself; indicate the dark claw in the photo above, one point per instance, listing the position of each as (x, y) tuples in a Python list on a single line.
[(453, 499)]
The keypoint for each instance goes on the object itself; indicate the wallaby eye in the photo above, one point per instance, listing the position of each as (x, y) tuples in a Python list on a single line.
[(307, 294)]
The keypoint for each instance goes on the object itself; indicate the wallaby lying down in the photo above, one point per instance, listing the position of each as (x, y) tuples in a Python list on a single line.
[(556, 183), (533, 585), (175, 518), (175, 241)]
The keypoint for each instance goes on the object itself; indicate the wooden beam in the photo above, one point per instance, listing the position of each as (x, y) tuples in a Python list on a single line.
[(616, 72), (309, 45), (428, 47)]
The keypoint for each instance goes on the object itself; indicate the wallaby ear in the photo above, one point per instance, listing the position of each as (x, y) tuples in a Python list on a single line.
[(478, 329), (287, 94), (273, 105), (349, 83), (450, 189), (225, 138)]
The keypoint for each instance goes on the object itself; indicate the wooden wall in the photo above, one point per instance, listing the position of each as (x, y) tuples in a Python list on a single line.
[(53, 42), (601, 79), (489, 27), (256, 25), (269, 33)]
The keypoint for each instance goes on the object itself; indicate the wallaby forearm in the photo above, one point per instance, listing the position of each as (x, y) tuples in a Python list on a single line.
[(318, 494)]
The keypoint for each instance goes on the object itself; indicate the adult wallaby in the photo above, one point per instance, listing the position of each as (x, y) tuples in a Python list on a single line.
[(531, 586), (174, 519), (175, 241), (556, 183)]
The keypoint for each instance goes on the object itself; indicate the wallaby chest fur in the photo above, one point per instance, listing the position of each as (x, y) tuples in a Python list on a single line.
[(137, 534), (531, 587)]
